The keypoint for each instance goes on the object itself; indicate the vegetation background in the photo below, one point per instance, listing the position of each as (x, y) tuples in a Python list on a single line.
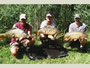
[(63, 15)]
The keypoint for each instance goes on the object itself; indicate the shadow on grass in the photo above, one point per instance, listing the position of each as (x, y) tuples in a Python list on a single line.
[(88, 46), (42, 52), (20, 53), (76, 49), (46, 51), (4, 42)]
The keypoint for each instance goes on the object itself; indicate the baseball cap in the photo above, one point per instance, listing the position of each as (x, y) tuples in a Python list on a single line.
[(77, 16), (22, 16), (48, 15)]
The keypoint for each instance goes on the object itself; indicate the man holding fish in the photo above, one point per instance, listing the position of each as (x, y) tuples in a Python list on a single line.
[(75, 27), (47, 23), (17, 42)]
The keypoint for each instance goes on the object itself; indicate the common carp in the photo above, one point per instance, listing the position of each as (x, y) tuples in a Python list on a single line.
[(75, 36), (48, 31), (16, 32)]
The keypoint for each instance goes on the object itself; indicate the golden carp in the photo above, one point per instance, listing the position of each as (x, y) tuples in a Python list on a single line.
[(75, 36), (16, 32), (48, 31)]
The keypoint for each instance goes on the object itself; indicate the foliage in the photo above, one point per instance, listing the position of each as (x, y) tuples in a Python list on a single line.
[(74, 57), (63, 15)]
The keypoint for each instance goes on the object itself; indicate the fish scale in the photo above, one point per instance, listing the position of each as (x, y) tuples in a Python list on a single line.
[(16, 32), (48, 31), (75, 36)]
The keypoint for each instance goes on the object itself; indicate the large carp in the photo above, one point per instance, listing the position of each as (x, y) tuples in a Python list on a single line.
[(75, 36), (16, 32), (48, 31)]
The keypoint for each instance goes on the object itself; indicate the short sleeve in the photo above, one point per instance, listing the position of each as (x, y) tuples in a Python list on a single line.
[(42, 24), (17, 24), (53, 25), (70, 28), (85, 27)]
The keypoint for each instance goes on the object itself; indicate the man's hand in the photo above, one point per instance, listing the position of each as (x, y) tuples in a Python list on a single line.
[(42, 36), (82, 39), (69, 39), (51, 37), (20, 38), (29, 37), (13, 35)]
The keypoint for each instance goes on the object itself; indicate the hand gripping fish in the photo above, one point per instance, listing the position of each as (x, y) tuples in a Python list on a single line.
[(48, 31), (75, 36)]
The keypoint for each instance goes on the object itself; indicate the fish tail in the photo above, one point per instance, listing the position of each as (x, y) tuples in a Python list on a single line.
[(4, 35), (37, 34)]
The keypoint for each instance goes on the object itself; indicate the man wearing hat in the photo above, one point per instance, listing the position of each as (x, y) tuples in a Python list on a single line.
[(16, 44), (77, 26), (47, 23)]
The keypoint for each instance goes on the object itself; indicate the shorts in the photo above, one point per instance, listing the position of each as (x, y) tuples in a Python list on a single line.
[(18, 44)]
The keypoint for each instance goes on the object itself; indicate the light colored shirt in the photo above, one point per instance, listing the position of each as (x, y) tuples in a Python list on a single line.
[(44, 24), (73, 27)]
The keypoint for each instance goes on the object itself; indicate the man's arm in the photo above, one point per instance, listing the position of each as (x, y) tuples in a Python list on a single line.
[(43, 24), (85, 29), (53, 25), (14, 26), (29, 31), (70, 28)]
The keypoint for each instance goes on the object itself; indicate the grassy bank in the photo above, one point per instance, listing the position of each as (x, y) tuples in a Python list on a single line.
[(74, 56)]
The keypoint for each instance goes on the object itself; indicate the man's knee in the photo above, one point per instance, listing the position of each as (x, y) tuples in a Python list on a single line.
[(14, 48), (33, 40), (29, 42), (42, 35)]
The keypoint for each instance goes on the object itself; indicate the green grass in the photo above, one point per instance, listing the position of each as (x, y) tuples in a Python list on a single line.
[(74, 56)]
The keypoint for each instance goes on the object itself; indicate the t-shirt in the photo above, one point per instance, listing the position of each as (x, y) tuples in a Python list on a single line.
[(44, 24), (73, 27), (25, 28)]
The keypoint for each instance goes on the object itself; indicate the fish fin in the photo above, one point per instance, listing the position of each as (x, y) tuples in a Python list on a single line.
[(17, 39), (1, 38), (37, 34), (8, 37), (75, 39), (3, 35)]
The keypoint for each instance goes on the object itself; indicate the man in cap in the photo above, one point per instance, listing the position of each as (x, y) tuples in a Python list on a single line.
[(16, 44), (47, 23), (77, 26)]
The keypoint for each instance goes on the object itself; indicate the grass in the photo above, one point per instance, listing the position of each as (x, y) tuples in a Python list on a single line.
[(74, 57)]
